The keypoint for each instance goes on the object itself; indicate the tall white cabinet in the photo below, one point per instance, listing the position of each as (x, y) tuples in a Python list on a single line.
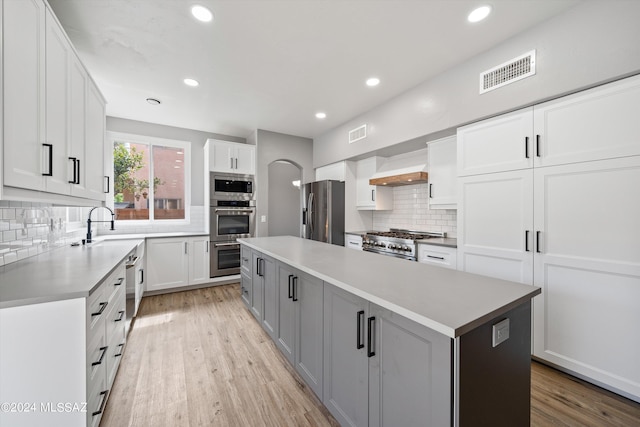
[(557, 206)]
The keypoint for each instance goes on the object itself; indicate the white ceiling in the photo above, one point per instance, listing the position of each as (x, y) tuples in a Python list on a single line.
[(272, 64)]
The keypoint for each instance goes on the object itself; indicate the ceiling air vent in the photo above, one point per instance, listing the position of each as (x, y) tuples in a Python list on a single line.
[(509, 72), (358, 133)]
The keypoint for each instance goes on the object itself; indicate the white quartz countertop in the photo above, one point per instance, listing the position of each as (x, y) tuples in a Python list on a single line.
[(64, 273), (102, 237), (448, 301)]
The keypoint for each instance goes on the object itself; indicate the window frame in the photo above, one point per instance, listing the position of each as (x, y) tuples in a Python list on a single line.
[(151, 141)]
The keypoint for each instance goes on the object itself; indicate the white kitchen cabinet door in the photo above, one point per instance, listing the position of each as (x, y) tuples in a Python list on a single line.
[(440, 256), (499, 144), (353, 241), (231, 157), (600, 123), (93, 176), (199, 260), (308, 293), (588, 266), (443, 174), (77, 127), (23, 49), (167, 263), (495, 225), (371, 197), (245, 159), (57, 111)]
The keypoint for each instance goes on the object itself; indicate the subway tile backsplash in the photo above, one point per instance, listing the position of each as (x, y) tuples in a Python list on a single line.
[(28, 229), (411, 211)]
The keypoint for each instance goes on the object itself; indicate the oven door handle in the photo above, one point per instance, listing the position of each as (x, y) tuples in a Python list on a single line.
[(233, 209), (217, 245)]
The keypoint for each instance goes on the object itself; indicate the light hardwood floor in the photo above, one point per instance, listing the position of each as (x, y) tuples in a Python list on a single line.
[(198, 358)]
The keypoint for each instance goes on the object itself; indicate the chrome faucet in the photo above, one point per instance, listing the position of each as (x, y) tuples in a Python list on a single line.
[(113, 217)]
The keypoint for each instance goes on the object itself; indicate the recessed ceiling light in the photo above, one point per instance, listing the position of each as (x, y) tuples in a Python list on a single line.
[(153, 101), (191, 82), (479, 14), (201, 13), (373, 81), (321, 115)]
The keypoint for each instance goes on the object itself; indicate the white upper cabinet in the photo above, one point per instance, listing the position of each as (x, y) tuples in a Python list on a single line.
[(232, 157), (46, 145), (23, 44), (443, 174), (93, 176), (335, 171), (371, 197), (600, 123), (496, 145)]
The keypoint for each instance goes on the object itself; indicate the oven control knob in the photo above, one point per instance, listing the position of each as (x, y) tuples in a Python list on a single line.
[(382, 245), (391, 246), (406, 248)]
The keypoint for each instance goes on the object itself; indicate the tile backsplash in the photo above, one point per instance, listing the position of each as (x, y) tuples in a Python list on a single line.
[(28, 229), (411, 211)]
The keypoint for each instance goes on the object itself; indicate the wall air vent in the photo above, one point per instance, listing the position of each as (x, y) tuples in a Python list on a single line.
[(508, 72), (358, 133)]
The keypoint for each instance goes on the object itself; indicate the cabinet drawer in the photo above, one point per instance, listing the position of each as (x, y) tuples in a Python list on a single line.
[(96, 402), (115, 351), (115, 321), (96, 308), (115, 282), (245, 260), (96, 355), (441, 256)]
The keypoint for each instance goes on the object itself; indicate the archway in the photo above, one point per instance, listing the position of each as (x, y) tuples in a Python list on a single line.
[(284, 198)]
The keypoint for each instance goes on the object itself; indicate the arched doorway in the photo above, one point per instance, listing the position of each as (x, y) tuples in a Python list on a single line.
[(284, 198)]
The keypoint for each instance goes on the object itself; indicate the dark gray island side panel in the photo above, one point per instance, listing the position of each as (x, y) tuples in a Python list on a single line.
[(495, 382)]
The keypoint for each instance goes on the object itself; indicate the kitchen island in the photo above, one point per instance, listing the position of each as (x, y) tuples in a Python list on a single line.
[(384, 341)]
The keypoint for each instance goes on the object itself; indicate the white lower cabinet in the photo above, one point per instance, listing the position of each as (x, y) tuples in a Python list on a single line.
[(63, 352), (174, 262), (353, 241), (381, 369), (441, 256)]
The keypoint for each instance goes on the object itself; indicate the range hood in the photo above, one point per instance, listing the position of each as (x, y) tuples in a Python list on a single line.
[(405, 176)]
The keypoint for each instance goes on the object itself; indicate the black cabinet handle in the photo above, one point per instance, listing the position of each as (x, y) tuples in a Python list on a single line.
[(119, 282), (430, 191), (121, 312), (526, 147), (290, 286), (373, 195), (262, 267), (295, 288), (108, 184), (258, 266), (103, 305), (360, 319), (99, 362), (102, 403), (50, 162), (441, 258), (75, 177), (526, 240), (370, 334), (538, 242), (142, 275), (537, 145), (120, 352)]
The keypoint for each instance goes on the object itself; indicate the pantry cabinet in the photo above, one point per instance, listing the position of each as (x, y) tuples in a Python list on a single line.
[(371, 197), (443, 174), (46, 97), (231, 157), (175, 262), (564, 220)]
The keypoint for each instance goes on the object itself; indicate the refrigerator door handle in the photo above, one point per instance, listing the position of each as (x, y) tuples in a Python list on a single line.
[(310, 214)]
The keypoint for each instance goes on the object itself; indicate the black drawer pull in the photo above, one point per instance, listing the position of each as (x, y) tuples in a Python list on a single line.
[(119, 282), (103, 305), (120, 317), (291, 286), (121, 348), (103, 402), (370, 333), (436, 257), (103, 350), (360, 319)]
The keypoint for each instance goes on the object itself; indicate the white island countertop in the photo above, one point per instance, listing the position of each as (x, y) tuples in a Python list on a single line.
[(63, 273), (448, 301)]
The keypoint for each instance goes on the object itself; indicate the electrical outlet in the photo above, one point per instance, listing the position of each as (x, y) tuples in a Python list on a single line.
[(263, 218), (500, 332)]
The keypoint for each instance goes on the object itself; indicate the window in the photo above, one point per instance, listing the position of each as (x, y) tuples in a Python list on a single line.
[(150, 177)]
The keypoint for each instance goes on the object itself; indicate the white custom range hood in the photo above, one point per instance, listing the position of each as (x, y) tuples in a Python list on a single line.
[(404, 169)]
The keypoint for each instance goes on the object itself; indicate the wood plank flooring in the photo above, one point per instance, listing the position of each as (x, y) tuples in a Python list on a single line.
[(198, 358)]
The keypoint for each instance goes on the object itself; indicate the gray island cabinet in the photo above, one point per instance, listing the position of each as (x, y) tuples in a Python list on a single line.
[(389, 342)]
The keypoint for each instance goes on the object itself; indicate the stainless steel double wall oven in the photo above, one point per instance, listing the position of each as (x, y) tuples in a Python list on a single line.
[(231, 215)]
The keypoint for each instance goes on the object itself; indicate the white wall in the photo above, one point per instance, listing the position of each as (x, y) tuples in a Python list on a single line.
[(272, 146), (592, 43)]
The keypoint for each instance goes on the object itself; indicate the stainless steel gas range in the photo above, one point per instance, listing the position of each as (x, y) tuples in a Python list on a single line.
[(396, 242)]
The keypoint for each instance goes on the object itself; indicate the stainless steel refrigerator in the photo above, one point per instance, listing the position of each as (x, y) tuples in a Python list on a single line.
[(323, 211)]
